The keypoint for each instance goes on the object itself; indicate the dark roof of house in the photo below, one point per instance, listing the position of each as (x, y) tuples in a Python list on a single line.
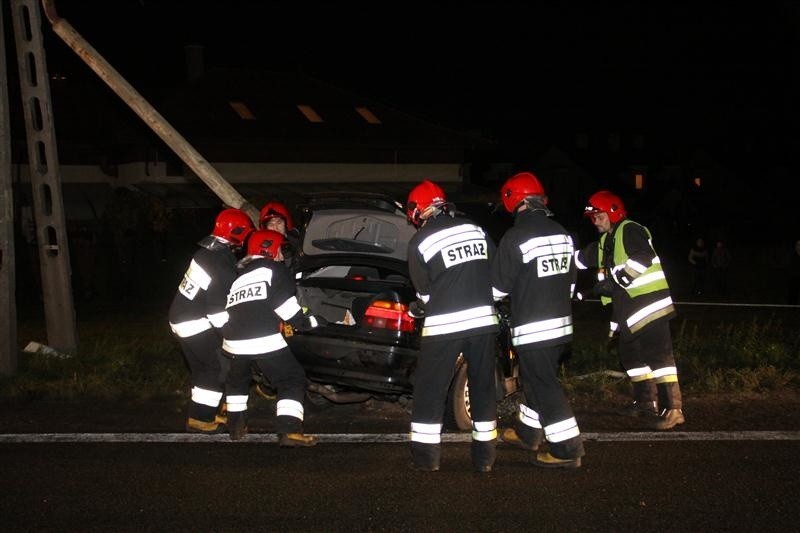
[(94, 126), (203, 110), (197, 195)]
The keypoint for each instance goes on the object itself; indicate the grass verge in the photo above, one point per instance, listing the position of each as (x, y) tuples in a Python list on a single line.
[(120, 359)]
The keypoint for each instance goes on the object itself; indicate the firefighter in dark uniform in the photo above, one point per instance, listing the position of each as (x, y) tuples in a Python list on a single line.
[(197, 315), (262, 307), (630, 277), (534, 267), (448, 261), (275, 216)]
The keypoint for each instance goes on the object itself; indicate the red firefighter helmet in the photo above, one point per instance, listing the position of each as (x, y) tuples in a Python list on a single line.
[(518, 187), (606, 202), (426, 194), (233, 225), (265, 242), (275, 209)]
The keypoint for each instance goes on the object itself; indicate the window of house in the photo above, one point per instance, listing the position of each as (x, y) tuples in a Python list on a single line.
[(242, 110), (368, 115), (309, 113)]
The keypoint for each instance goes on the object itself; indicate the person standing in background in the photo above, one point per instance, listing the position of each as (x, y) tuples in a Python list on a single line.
[(698, 258), (720, 263)]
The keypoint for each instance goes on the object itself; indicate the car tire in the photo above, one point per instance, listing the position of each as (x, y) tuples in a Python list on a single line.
[(457, 410)]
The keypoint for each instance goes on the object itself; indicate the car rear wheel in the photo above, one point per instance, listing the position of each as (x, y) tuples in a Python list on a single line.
[(457, 411)]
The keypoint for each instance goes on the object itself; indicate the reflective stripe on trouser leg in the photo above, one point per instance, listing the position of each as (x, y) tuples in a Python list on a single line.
[(483, 431), (289, 380), (237, 387), (206, 397), (479, 354), (426, 433), (290, 408), (651, 347), (561, 431), (289, 416), (528, 427), (237, 403), (639, 372), (564, 439), (484, 443), (528, 417), (204, 404), (432, 377), (426, 448), (539, 368)]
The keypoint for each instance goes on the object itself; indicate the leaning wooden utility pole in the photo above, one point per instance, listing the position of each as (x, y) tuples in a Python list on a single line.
[(51, 232), (147, 113), (8, 298)]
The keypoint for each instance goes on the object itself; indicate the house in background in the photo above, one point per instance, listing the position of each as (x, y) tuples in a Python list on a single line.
[(134, 208), (269, 134)]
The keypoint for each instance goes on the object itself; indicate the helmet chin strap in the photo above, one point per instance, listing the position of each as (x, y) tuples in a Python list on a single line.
[(434, 211), (535, 204), (213, 242)]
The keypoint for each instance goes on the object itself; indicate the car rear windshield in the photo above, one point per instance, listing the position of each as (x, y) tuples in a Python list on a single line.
[(361, 232)]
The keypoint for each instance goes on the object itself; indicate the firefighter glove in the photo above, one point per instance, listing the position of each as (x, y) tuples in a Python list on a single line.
[(416, 309), (622, 277)]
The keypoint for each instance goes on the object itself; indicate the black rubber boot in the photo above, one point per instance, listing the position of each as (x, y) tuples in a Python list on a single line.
[(237, 425), (483, 454), (668, 419), (669, 395), (644, 391), (202, 419), (425, 457)]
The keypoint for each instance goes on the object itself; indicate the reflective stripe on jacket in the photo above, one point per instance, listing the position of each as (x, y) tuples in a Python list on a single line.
[(649, 291)]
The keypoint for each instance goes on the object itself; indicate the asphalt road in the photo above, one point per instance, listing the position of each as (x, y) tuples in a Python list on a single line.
[(710, 475), (224, 486)]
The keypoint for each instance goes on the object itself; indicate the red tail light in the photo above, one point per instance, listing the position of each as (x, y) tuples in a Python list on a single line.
[(388, 315)]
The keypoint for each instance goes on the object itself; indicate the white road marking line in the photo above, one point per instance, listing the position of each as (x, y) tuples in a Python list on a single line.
[(52, 438)]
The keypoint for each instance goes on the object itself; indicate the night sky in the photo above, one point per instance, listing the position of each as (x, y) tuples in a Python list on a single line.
[(701, 68)]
